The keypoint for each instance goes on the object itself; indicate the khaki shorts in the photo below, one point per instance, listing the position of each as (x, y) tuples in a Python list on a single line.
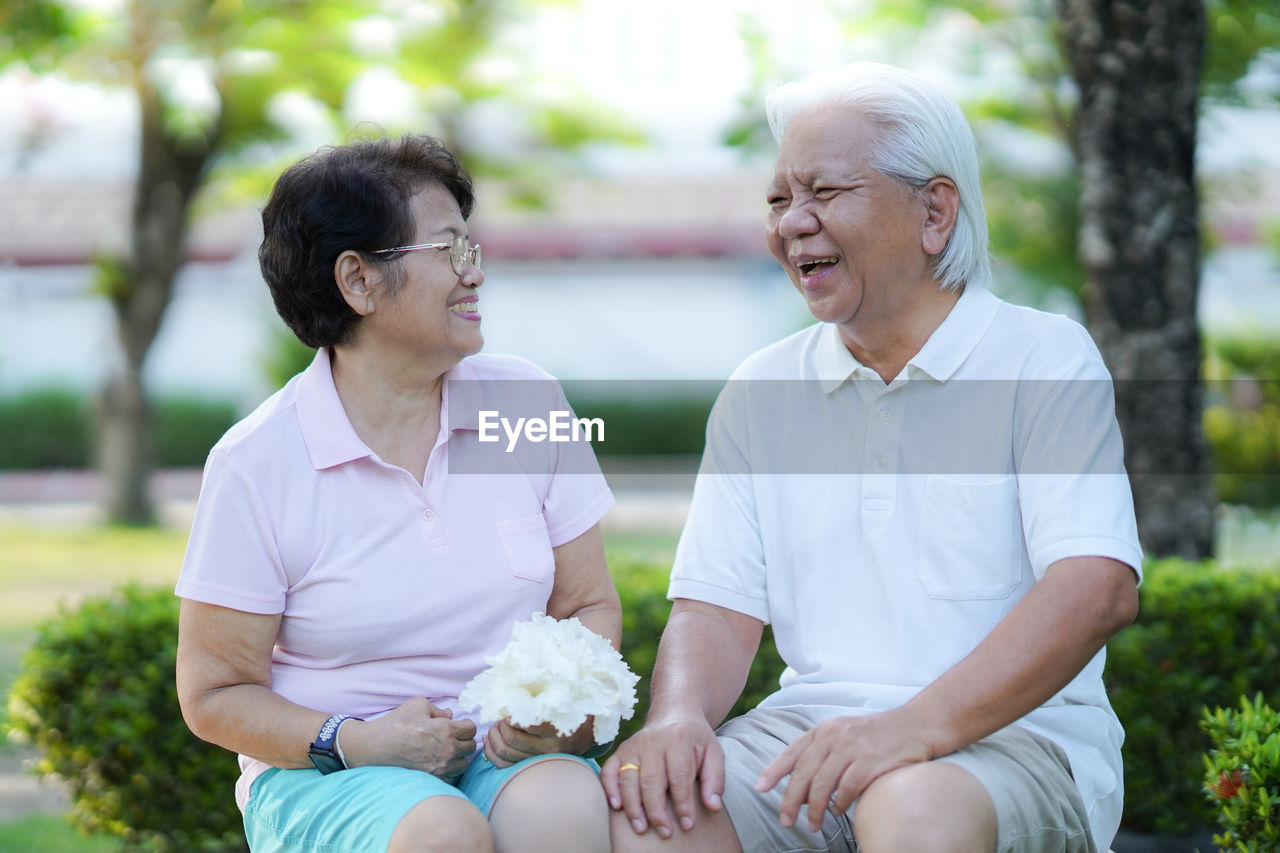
[(1038, 807)]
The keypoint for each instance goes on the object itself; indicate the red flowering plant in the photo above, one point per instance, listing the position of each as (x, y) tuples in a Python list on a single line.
[(1242, 775)]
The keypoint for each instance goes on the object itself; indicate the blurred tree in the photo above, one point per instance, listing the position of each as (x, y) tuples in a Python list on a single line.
[(215, 79), (1111, 213), (1137, 65)]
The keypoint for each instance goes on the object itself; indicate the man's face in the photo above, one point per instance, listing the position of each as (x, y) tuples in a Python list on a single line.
[(849, 237)]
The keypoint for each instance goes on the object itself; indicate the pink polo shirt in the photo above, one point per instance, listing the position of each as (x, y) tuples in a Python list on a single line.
[(389, 588)]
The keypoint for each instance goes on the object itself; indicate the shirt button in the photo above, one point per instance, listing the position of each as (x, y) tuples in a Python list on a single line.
[(884, 414), (428, 514), (880, 460)]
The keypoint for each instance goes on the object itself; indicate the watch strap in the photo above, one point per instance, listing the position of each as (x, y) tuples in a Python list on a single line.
[(324, 751), (599, 749)]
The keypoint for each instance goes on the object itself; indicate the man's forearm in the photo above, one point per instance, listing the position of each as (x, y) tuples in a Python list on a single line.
[(703, 661), (1029, 656)]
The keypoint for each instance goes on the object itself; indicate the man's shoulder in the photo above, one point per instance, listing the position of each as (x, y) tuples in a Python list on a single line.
[(789, 358), (1040, 344)]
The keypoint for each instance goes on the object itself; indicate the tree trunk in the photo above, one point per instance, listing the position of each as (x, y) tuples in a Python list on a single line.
[(1137, 66), (139, 290)]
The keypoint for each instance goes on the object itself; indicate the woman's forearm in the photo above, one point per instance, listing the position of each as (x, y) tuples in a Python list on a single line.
[(251, 720)]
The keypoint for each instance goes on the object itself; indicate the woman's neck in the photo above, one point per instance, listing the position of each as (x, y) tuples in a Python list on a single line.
[(393, 405)]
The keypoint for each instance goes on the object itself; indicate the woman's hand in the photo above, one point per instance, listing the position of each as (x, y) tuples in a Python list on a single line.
[(507, 743), (418, 734)]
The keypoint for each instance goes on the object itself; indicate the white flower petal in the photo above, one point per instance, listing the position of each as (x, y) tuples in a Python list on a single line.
[(558, 672)]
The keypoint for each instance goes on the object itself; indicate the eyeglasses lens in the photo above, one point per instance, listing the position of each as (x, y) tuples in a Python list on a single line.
[(461, 254)]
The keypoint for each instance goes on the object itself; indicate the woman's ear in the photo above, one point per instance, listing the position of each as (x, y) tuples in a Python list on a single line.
[(942, 206), (357, 279)]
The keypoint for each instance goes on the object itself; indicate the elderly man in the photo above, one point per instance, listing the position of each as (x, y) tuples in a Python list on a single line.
[(931, 512)]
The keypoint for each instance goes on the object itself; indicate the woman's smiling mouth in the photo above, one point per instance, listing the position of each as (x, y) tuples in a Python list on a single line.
[(466, 308)]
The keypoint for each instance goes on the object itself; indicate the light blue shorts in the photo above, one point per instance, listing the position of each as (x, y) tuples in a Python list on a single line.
[(357, 810)]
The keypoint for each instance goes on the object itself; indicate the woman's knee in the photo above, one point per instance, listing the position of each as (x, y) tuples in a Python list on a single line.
[(442, 824), (552, 805)]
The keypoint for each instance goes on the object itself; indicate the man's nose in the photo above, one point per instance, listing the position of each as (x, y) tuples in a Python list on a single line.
[(799, 220)]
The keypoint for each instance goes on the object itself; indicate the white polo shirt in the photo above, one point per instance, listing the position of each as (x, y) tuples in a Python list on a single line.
[(883, 530), (389, 588)]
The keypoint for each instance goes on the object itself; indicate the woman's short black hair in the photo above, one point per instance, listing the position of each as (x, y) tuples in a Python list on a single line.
[(353, 196)]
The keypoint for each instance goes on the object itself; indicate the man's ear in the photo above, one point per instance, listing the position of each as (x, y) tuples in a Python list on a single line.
[(357, 278), (942, 206)]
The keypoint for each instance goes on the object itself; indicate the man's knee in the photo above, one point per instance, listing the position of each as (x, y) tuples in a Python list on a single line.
[(934, 807), (442, 824)]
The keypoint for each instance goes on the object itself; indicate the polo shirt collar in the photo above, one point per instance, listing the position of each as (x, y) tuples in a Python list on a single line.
[(939, 358), (326, 429), (958, 335), (832, 358), (468, 415)]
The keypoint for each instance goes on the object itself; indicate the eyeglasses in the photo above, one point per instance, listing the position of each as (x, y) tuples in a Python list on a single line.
[(461, 253)]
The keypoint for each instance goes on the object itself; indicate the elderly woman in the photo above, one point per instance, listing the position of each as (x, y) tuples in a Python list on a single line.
[(344, 581)]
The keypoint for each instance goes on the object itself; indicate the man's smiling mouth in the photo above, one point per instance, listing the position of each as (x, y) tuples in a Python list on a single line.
[(814, 265)]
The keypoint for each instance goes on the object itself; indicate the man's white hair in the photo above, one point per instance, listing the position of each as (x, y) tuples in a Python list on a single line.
[(920, 134)]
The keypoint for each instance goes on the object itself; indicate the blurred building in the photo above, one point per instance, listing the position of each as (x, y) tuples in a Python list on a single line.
[(648, 264)]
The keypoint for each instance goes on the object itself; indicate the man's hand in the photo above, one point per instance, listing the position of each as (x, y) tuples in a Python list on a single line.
[(507, 743), (672, 756), (839, 758), (418, 734)]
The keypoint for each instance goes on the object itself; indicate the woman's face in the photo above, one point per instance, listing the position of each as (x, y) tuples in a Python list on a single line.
[(434, 311)]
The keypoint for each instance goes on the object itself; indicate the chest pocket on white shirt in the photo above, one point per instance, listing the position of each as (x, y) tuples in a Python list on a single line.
[(970, 538), (528, 548)]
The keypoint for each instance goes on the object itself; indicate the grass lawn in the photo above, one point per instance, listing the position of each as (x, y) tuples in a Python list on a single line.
[(51, 834), (42, 568)]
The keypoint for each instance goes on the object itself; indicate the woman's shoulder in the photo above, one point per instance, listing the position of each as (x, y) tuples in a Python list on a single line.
[(267, 433)]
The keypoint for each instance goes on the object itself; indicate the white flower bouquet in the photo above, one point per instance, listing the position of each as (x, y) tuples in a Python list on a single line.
[(558, 672)]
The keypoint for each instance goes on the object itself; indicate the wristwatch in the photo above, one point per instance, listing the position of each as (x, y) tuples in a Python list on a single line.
[(324, 752)]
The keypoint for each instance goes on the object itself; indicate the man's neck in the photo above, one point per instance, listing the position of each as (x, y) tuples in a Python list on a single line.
[(886, 347)]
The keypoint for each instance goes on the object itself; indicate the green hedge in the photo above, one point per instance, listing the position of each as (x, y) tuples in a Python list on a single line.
[(1205, 636), (54, 428), (47, 428), (185, 429), (643, 589), (96, 695), (649, 427), (1242, 418)]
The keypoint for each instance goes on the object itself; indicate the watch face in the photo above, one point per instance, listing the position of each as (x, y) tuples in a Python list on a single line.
[(325, 761)]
